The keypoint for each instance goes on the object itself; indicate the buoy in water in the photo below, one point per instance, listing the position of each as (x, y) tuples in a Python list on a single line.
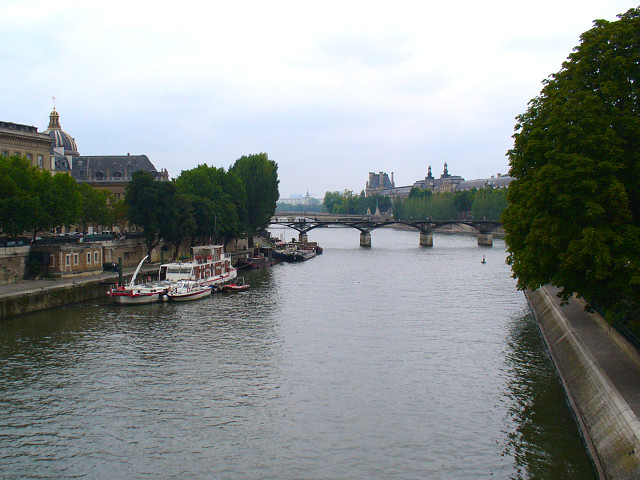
[(483, 260)]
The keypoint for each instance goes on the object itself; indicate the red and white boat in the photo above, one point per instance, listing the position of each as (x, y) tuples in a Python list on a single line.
[(210, 267), (133, 294), (185, 290), (237, 286)]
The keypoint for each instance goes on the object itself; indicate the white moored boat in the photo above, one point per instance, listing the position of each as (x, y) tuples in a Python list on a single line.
[(133, 294), (210, 267), (185, 290)]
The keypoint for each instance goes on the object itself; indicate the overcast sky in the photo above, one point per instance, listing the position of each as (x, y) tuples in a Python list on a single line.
[(330, 90)]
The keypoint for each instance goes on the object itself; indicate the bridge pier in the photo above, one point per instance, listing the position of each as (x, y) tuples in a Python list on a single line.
[(365, 239), (303, 238), (485, 240), (426, 239)]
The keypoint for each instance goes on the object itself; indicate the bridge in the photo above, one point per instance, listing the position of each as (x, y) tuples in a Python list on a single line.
[(304, 223)]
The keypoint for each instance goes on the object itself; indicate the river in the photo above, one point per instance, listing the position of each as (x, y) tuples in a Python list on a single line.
[(394, 362)]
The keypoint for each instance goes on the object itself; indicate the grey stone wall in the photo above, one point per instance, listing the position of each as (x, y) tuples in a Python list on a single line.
[(609, 426), (13, 264)]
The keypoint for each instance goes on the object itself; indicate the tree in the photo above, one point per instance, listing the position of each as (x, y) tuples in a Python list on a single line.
[(260, 178), (488, 203), (59, 201), (573, 218), (182, 223), (331, 200), (94, 206), (151, 205), (225, 210), (18, 200)]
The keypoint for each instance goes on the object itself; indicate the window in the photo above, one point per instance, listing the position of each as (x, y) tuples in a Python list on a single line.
[(68, 259), (95, 257), (117, 174), (75, 259), (99, 175), (89, 257), (5, 153), (30, 157), (40, 160)]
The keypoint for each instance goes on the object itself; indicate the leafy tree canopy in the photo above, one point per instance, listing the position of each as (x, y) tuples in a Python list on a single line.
[(152, 206), (573, 215), (260, 178)]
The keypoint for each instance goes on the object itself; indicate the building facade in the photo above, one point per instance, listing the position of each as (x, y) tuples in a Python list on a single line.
[(113, 172), (26, 141), (378, 183), (446, 182)]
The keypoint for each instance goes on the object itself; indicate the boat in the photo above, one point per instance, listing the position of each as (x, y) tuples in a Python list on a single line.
[(292, 252), (210, 267), (186, 290), (237, 286), (262, 257), (133, 294)]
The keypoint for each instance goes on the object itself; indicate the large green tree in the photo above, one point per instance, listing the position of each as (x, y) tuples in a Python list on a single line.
[(19, 202), (94, 206), (260, 178), (573, 218), (218, 199), (151, 205)]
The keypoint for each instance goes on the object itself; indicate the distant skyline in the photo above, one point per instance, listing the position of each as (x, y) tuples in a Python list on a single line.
[(330, 91)]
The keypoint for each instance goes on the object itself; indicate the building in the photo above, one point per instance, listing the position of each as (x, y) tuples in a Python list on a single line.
[(113, 172), (498, 181), (26, 141), (446, 182), (110, 172), (63, 145), (378, 183)]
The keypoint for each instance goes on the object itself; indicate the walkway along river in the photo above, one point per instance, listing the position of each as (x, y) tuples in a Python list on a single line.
[(394, 362)]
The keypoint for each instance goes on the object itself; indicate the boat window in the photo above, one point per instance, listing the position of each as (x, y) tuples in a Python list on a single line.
[(180, 270)]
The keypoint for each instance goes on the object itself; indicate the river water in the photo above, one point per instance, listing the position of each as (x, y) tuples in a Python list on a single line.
[(394, 362)]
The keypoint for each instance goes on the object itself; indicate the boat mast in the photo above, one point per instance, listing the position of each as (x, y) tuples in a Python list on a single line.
[(135, 274)]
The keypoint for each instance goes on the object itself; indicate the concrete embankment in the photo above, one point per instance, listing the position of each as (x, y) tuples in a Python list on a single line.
[(601, 377), (33, 295)]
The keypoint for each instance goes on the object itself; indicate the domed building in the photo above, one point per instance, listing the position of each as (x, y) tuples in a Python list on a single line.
[(110, 172), (63, 146)]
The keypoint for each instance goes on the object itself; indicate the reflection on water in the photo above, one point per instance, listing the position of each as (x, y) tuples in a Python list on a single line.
[(543, 441), (391, 362)]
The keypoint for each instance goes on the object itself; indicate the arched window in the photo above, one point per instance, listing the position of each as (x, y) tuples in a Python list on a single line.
[(99, 175), (117, 174)]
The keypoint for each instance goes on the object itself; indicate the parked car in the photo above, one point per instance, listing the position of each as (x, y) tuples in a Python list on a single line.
[(110, 267)]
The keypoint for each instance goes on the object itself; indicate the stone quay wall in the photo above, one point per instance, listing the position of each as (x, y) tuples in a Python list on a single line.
[(61, 293), (609, 426), (13, 264)]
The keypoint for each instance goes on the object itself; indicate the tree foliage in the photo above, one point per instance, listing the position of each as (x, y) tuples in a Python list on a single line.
[(347, 202), (219, 202), (573, 215), (259, 175), (33, 200), (152, 206), (480, 204)]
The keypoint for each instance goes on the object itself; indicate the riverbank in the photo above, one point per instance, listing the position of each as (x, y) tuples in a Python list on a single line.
[(33, 295), (600, 373)]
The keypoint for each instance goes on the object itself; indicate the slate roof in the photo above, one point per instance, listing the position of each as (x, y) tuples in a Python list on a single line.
[(493, 182), (110, 168)]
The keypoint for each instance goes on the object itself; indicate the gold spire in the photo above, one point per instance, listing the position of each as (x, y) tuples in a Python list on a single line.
[(54, 120)]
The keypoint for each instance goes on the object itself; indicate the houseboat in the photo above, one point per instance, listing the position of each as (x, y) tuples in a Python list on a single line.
[(210, 266)]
